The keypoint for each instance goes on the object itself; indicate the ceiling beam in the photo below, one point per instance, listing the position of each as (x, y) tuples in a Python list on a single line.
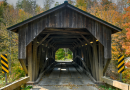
[(43, 39), (66, 32), (65, 36), (48, 41), (86, 40)]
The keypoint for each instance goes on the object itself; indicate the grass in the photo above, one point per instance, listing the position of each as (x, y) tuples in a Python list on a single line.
[(107, 87), (27, 88)]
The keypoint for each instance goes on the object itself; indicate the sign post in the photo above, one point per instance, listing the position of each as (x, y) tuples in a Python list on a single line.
[(5, 67), (121, 66)]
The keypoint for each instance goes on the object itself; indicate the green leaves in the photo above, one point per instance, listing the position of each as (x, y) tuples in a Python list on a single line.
[(63, 53)]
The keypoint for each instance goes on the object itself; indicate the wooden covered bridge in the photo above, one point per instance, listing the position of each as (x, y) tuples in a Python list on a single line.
[(64, 26)]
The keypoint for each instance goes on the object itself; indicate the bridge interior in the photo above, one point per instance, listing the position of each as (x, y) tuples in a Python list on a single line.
[(79, 40), (65, 76)]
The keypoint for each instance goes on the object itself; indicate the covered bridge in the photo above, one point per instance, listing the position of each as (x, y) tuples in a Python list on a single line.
[(64, 26)]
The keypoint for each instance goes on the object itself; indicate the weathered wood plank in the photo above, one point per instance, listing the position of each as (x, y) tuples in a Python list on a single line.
[(115, 83), (34, 59), (43, 40), (22, 42), (29, 34), (101, 59), (30, 62), (23, 64), (57, 14), (15, 84), (95, 59), (85, 39), (74, 73)]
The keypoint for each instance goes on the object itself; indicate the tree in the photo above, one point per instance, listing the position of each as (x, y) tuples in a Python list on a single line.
[(56, 4), (27, 5), (82, 4), (126, 16), (63, 53), (71, 2), (47, 4), (3, 4), (60, 54)]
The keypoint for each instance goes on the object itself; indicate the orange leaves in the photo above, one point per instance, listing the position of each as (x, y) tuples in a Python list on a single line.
[(128, 33), (128, 1), (126, 25), (1, 2), (81, 4)]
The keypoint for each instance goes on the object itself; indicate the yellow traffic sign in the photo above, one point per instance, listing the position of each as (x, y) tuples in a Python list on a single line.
[(4, 62), (121, 62)]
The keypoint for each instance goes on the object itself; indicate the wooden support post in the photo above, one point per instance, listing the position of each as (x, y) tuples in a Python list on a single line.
[(90, 57), (23, 65), (43, 58), (38, 58), (86, 52), (35, 59), (105, 68), (85, 39), (43, 39), (101, 59), (30, 61), (95, 59), (48, 41)]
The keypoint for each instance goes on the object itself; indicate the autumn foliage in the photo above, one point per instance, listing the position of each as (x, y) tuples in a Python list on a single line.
[(126, 17), (117, 14)]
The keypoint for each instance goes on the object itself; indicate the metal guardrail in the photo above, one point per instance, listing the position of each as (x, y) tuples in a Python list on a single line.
[(116, 83), (16, 84)]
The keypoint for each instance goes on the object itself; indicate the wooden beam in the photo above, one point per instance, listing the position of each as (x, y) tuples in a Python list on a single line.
[(66, 36), (64, 40), (43, 39), (49, 41), (16, 84), (105, 68), (23, 65), (115, 83), (82, 62), (71, 49), (63, 31), (34, 59), (61, 39), (101, 59), (80, 40), (95, 60), (82, 43), (56, 30), (67, 29), (86, 40), (30, 62), (64, 45)]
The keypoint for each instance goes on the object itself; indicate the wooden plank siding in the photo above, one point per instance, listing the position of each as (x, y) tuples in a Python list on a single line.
[(65, 18)]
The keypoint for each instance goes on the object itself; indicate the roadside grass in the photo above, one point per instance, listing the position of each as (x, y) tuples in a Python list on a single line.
[(107, 87)]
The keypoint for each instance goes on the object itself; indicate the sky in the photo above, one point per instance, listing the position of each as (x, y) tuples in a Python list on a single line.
[(39, 2)]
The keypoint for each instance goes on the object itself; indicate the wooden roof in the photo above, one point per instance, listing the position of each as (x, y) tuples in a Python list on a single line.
[(65, 4)]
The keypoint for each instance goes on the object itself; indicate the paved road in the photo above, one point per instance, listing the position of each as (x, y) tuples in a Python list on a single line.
[(65, 76)]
